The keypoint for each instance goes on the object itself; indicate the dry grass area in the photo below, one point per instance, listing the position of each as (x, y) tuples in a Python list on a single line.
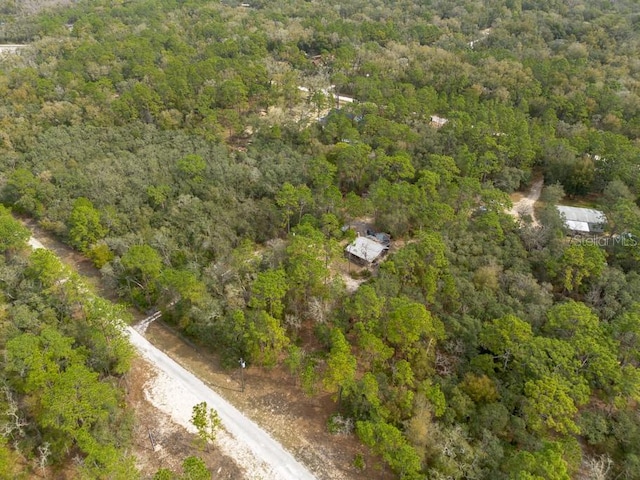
[(274, 401), (516, 197), (160, 443)]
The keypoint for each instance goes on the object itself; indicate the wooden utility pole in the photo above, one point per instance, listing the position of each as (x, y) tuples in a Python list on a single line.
[(242, 367)]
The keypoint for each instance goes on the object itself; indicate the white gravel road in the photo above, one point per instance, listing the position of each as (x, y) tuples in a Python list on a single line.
[(177, 390)]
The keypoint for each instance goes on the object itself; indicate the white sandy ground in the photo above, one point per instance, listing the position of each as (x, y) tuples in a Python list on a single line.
[(175, 391), (352, 284), (524, 206), (35, 243)]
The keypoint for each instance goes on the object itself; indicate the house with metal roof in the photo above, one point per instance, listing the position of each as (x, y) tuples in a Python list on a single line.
[(438, 122), (365, 251), (582, 220)]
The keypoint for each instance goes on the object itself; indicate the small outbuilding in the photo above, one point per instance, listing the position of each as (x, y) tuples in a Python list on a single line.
[(438, 122), (582, 220), (365, 251)]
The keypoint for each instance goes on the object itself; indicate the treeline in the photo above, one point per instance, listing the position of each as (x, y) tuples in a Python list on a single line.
[(142, 133), (64, 356)]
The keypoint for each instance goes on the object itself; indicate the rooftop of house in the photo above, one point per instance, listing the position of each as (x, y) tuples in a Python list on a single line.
[(582, 219), (366, 249), (437, 121)]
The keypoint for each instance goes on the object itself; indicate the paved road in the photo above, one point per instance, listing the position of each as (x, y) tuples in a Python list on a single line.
[(281, 464)]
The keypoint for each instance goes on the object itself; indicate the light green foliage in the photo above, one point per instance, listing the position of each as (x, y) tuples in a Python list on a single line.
[(623, 215), (268, 291), (545, 357), (158, 195), (366, 401), (408, 322), (577, 264), (341, 364), (194, 468), (373, 348), (164, 474), (182, 285), (100, 254), (191, 167), (138, 103), (26, 192), (309, 377), (571, 319), (545, 463), (489, 223), (66, 398), (396, 167), (306, 266), (594, 350), (330, 225), (356, 206), (74, 399), (549, 405), (423, 265), (389, 442), (207, 422), (45, 268), (481, 389), (85, 226), (402, 207), (265, 338), (444, 166), (435, 397), (626, 330), (505, 337), (293, 200), (142, 268), (143, 261), (105, 336), (295, 359), (365, 305), (8, 462), (13, 235), (420, 427), (32, 359)]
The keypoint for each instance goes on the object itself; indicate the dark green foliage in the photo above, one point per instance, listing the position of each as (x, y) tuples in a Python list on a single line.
[(64, 351), (171, 143)]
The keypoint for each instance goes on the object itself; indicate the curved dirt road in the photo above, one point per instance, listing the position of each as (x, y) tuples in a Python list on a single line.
[(275, 461), (524, 206), (262, 456)]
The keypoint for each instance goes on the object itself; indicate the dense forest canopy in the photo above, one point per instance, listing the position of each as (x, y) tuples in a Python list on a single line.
[(196, 152)]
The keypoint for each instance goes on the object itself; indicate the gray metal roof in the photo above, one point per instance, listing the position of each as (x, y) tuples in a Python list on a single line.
[(582, 219), (366, 249), (577, 226)]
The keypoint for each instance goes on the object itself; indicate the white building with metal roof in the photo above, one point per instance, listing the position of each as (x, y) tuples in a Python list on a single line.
[(365, 251), (582, 220)]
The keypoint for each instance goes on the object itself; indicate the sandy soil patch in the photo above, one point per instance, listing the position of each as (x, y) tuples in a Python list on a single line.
[(523, 205), (172, 442)]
